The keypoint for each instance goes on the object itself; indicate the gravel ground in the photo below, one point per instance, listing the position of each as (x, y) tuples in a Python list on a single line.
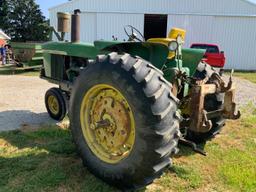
[(22, 100), (246, 91)]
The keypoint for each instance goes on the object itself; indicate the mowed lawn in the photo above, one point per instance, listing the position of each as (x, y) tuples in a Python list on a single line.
[(246, 75), (46, 160)]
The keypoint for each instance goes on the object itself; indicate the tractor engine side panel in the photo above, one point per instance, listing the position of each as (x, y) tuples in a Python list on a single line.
[(54, 66)]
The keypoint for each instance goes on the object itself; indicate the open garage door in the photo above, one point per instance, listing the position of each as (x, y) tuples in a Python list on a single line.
[(155, 26)]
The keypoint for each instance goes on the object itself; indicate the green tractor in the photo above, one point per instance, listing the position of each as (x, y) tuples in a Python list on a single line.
[(131, 103)]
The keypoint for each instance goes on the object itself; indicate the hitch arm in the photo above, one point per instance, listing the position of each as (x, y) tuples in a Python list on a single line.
[(193, 145)]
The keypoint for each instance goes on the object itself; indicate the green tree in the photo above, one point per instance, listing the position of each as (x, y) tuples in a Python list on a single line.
[(3, 13), (23, 20)]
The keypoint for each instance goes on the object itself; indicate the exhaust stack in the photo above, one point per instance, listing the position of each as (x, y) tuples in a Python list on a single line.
[(75, 26)]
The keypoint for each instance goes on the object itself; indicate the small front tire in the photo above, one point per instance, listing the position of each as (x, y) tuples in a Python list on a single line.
[(55, 104)]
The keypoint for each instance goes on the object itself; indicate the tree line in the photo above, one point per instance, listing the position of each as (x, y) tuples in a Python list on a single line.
[(23, 21)]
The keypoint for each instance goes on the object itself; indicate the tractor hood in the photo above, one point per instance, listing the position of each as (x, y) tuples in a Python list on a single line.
[(84, 50)]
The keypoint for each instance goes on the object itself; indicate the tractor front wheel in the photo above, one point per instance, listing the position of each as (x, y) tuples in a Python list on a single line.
[(123, 120), (55, 104)]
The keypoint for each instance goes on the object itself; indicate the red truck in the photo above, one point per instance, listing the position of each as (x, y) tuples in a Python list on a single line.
[(213, 55)]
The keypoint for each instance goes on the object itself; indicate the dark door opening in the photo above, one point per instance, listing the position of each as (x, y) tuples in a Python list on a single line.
[(155, 26)]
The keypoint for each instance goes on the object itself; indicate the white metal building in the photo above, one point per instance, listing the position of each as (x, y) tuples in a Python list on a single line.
[(229, 23)]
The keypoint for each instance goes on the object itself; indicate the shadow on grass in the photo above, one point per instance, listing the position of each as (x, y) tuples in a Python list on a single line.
[(46, 160), (43, 160), (188, 151)]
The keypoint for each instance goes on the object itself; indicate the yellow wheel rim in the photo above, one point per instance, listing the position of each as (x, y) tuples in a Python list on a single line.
[(53, 104), (107, 123)]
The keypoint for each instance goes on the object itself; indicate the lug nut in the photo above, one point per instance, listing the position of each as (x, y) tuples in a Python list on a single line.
[(92, 126)]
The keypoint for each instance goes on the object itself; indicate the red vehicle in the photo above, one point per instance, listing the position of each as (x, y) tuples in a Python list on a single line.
[(213, 55)]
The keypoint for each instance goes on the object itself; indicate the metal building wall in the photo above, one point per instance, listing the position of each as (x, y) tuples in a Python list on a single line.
[(109, 24), (211, 22), (89, 27), (223, 7), (238, 38), (235, 35), (198, 27), (96, 26)]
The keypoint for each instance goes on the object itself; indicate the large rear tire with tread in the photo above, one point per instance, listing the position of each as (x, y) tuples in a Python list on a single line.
[(212, 102), (156, 120)]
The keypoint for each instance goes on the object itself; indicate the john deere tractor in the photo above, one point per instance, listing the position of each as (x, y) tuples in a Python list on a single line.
[(131, 103)]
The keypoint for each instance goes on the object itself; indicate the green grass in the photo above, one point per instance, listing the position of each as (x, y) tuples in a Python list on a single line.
[(46, 160), (251, 76), (11, 70), (43, 160)]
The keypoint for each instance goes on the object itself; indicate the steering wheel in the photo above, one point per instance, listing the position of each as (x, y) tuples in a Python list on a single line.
[(133, 34)]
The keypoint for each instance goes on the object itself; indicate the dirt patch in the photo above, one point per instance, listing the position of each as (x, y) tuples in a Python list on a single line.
[(22, 102)]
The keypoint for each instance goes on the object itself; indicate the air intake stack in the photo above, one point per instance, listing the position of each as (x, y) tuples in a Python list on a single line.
[(64, 25)]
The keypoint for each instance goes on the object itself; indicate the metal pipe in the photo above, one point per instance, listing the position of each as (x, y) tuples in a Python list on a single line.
[(75, 26)]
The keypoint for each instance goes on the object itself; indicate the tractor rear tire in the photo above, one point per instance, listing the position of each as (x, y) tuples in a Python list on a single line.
[(55, 104), (154, 110), (212, 102)]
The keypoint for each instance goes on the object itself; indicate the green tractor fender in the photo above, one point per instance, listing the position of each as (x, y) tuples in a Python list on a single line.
[(155, 53), (191, 58)]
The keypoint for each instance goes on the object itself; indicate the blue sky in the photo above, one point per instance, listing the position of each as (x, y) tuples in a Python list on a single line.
[(254, 1), (46, 4)]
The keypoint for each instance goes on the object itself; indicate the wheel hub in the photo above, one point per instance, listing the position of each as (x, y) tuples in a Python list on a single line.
[(107, 123), (53, 104)]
